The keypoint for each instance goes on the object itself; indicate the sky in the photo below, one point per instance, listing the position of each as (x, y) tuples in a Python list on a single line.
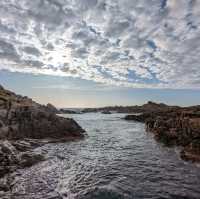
[(88, 53)]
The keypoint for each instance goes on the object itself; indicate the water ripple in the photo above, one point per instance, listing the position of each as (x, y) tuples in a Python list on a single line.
[(118, 160)]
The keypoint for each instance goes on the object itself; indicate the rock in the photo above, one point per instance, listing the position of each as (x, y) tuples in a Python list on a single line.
[(175, 127), (148, 107), (22, 145), (31, 122), (139, 117), (9, 158), (192, 151), (51, 108), (1, 124), (23, 118), (8, 149), (30, 158), (66, 111), (106, 112), (12, 158), (1, 87), (3, 113), (4, 184)]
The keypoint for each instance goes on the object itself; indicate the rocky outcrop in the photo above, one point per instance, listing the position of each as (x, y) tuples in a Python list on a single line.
[(139, 117), (12, 158), (51, 108), (15, 155), (106, 112), (175, 127), (24, 125), (31, 122), (20, 117)]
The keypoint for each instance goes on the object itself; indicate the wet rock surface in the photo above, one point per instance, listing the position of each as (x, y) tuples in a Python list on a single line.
[(11, 159), (24, 126), (175, 127)]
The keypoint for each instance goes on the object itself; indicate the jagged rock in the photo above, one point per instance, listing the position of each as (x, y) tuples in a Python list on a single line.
[(1, 124), (23, 118), (8, 156), (138, 118), (175, 127), (22, 145), (51, 108), (12, 158), (3, 113), (8, 149), (29, 122), (21, 121), (106, 112), (30, 158), (192, 151), (4, 184)]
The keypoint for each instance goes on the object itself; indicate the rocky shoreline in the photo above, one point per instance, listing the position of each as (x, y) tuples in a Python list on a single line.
[(174, 127), (25, 125)]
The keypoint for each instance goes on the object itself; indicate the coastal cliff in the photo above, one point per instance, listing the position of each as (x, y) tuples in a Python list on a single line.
[(174, 126), (21, 117), (25, 125)]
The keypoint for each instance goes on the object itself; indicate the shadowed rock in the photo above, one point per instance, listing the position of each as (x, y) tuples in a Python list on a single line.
[(175, 127), (20, 117), (21, 121)]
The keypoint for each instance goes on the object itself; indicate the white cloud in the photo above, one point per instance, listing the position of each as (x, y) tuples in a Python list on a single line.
[(136, 43)]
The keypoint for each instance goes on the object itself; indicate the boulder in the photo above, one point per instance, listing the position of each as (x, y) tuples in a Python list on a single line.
[(51, 108), (30, 158), (11, 158)]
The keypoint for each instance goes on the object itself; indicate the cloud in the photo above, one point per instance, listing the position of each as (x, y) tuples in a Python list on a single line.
[(140, 43)]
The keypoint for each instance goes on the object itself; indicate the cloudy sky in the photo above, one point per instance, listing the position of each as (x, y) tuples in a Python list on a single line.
[(143, 47)]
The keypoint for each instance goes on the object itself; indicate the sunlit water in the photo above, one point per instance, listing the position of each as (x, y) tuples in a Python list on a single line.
[(117, 160)]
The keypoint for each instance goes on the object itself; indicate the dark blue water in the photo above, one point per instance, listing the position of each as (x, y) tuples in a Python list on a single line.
[(117, 160)]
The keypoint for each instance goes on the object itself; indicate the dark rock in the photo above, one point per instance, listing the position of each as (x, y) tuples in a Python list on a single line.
[(66, 111), (192, 151), (31, 122), (174, 127), (21, 121), (30, 158), (4, 184), (22, 145), (51, 108), (139, 117), (9, 158), (106, 112), (20, 117)]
